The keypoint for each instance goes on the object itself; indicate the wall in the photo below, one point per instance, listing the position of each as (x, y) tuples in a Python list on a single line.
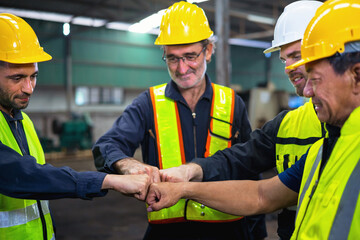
[(103, 57)]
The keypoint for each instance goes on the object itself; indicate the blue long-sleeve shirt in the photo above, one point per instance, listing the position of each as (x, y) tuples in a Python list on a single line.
[(136, 127), (292, 177), (22, 177)]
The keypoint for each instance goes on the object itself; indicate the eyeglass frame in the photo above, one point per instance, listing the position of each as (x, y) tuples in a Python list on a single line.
[(185, 57)]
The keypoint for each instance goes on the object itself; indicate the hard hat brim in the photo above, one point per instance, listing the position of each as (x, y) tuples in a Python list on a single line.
[(32, 59), (299, 63), (271, 49)]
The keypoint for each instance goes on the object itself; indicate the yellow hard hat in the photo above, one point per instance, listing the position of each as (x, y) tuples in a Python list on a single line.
[(183, 23), (19, 43), (334, 24)]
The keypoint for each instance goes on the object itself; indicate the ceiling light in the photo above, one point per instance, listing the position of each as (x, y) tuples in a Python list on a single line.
[(147, 24), (197, 1), (91, 22), (118, 26), (260, 19), (66, 29)]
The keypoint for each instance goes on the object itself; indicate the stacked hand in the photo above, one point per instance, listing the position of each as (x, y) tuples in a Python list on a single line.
[(163, 195), (130, 185), (143, 182)]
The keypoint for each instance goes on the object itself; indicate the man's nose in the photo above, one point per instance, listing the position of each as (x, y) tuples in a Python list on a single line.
[(182, 66), (288, 63), (28, 86), (308, 89)]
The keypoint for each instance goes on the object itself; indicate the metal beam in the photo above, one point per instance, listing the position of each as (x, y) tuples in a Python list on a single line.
[(255, 35), (222, 27)]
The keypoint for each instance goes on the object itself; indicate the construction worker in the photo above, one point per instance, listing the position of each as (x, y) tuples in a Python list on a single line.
[(175, 122), (325, 181), (25, 179), (281, 141)]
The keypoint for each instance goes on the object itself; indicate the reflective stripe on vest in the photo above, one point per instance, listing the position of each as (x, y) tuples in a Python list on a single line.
[(299, 129), (345, 213), (329, 206), (20, 218), (171, 150), (310, 177), (22, 215), (222, 112)]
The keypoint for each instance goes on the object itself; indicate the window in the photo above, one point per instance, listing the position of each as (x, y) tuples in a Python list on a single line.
[(98, 96)]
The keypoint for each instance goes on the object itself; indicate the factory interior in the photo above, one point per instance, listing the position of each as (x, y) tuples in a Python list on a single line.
[(100, 65)]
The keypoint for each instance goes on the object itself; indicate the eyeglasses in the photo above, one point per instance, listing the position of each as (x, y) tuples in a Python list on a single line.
[(188, 58)]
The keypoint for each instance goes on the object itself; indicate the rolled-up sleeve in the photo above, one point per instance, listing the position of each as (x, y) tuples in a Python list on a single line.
[(125, 135)]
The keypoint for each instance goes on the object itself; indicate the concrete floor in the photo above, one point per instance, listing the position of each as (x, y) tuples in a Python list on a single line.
[(112, 217)]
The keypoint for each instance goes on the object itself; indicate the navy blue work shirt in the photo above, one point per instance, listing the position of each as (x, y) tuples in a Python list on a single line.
[(22, 177), (136, 127), (291, 177)]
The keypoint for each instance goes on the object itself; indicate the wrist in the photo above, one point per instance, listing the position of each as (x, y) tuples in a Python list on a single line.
[(194, 172), (122, 165), (106, 182)]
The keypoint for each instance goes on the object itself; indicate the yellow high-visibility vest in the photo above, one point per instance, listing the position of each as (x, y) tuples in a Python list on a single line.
[(299, 129), (20, 218), (170, 149), (329, 207)]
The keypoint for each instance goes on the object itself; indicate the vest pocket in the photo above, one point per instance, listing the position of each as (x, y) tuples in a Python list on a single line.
[(329, 194)]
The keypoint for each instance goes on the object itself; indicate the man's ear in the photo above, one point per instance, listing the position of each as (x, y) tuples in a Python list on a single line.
[(209, 52), (355, 72)]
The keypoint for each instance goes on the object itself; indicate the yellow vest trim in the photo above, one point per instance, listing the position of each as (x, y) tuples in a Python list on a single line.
[(171, 150), (323, 202), (20, 218)]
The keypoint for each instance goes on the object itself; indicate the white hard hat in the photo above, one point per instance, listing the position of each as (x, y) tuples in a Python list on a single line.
[(291, 25)]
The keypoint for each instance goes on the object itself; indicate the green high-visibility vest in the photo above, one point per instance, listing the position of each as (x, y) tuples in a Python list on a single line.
[(329, 207), (170, 149), (21, 218)]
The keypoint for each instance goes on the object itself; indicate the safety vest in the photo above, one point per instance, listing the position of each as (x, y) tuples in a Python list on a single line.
[(21, 218), (170, 149), (299, 129), (329, 207)]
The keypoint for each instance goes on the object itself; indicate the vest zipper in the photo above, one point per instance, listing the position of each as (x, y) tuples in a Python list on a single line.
[(194, 132), (42, 217)]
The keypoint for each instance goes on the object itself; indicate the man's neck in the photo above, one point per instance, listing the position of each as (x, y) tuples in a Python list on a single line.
[(192, 95), (7, 111)]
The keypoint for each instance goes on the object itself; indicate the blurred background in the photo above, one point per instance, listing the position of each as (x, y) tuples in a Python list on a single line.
[(104, 56)]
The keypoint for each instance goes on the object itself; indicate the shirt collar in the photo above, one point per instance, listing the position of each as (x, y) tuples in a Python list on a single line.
[(17, 115), (333, 131), (172, 90)]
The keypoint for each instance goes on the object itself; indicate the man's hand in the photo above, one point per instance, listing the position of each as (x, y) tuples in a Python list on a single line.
[(163, 195), (131, 166), (130, 185), (183, 173)]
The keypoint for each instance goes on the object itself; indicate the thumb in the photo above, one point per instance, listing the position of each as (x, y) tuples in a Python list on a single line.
[(149, 209)]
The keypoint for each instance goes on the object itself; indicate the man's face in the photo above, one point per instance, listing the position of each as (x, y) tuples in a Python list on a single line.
[(331, 93), (17, 83), (188, 74), (289, 54)]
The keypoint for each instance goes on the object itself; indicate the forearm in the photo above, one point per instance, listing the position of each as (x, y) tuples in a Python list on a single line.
[(233, 197), (124, 137), (243, 160), (241, 197), (126, 165)]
